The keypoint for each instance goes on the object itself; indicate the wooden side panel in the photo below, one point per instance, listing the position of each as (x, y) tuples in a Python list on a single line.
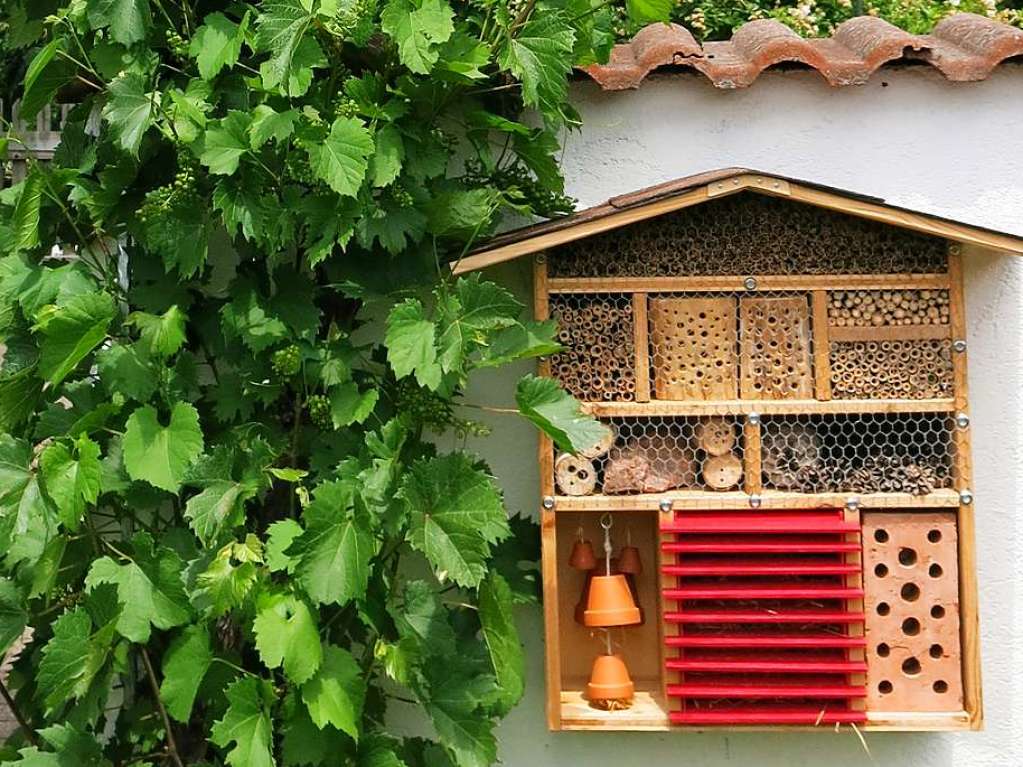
[(693, 348), (774, 355), (821, 345), (640, 325)]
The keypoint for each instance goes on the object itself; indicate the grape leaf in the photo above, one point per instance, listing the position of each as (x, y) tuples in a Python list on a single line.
[(226, 141), (280, 536), (418, 27), (280, 29), (410, 341), (160, 455), (72, 332), (71, 480), (557, 414), (336, 693), (217, 44), (43, 78), (334, 551), (184, 665), (247, 724), (348, 405), (540, 55), (162, 335), (502, 637), (387, 156), (128, 19), (72, 659), (287, 635), (268, 124), (128, 370), (341, 158), (149, 588), (456, 513), (219, 507), (646, 11), (13, 615), (130, 110)]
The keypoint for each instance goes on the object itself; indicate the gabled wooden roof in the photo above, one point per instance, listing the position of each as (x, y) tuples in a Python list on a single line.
[(693, 190)]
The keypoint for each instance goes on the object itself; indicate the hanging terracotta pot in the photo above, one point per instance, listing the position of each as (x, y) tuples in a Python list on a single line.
[(629, 561), (610, 603), (582, 556), (610, 684)]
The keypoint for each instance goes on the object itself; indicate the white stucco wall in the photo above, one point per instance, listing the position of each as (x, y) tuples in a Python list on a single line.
[(918, 141)]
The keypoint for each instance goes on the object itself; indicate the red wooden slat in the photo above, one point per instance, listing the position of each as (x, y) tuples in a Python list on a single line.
[(759, 567), (764, 616), (765, 640), (732, 716), (728, 690), (756, 522), (759, 666), (783, 546), (756, 591)]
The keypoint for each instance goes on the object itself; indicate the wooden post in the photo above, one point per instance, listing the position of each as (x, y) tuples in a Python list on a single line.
[(642, 344), (969, 625), (752, 455), (855, 580), (821, 345)]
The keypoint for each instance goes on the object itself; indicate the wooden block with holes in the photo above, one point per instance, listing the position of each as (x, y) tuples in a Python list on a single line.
[(693, 343), (912, 606), (774, 348)]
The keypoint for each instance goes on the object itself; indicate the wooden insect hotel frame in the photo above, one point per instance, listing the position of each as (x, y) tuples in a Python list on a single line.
[(782, 370)]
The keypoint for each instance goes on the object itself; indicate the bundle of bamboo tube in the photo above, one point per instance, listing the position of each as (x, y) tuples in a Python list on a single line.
[(876, 308)]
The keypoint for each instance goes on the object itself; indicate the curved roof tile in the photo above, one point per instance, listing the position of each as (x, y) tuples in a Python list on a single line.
[(963, 47)]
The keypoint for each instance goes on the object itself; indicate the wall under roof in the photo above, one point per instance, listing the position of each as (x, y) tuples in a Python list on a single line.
[(919, 141)]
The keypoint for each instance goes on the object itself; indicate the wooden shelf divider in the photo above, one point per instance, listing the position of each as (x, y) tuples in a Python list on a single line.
[(733, 283), (708, 500), (668, 408), (890, 333)]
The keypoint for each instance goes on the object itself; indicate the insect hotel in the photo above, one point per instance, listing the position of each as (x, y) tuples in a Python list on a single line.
[(777, 529)]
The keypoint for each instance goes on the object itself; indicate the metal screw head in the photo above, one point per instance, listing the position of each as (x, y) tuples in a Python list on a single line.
[(548, 502), (755, 501), (954, 249), (753, 418), (750, 283), (852, 503), (965, 497), (666, 505), (962, 420), (541, 258), (959, 345)]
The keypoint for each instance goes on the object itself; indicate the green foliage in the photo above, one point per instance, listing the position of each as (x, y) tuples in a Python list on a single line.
[(223, 510)]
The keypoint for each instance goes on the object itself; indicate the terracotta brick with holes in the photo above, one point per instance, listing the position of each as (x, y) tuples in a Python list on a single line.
[(912, 612)]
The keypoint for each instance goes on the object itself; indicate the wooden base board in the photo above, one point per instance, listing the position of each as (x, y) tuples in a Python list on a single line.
[(736, 500)]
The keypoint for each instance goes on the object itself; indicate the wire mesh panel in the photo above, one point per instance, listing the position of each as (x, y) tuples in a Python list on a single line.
[(861, 453), (891, 369), (750, 234), (598, 363), (655, 455), (886, 308)]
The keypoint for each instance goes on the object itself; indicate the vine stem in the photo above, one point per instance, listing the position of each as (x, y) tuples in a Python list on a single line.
[(172, 746), (29, 732)]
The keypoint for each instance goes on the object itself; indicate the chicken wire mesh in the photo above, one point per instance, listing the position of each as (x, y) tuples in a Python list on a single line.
[(891, 369), (887, 308), (598, 360), (765, 235), (862, 453), (655, 455)]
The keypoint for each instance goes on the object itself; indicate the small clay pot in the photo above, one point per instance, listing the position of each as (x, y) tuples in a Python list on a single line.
[(610, 680), (610, 602), (629, 561), (582, 556)]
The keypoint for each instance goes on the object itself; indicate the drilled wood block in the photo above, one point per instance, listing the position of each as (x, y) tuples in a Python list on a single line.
[(910, 576), (693, 348), (774, 356)]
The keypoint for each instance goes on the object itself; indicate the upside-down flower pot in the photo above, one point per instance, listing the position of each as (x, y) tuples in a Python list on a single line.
[(610, 603), (582, 556), (629, 561), (610, 683)]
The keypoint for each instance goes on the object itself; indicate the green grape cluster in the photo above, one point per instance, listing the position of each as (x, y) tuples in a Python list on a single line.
[(179, 195), (346, 107), (287, 361), (176, 43), (402, 196), (318, 407), (298, 168), (521, 187), (423, 406), (353, 21)]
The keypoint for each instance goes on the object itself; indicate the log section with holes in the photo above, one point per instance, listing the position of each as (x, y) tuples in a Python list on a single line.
[(765, 391)]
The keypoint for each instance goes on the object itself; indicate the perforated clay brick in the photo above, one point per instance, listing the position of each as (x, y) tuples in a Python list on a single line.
[(911, 581)]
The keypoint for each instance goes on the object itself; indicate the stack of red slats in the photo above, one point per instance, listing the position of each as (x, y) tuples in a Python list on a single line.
[(761, 627)]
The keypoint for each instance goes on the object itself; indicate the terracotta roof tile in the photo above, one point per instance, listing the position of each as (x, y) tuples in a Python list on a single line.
[(963, 47)]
